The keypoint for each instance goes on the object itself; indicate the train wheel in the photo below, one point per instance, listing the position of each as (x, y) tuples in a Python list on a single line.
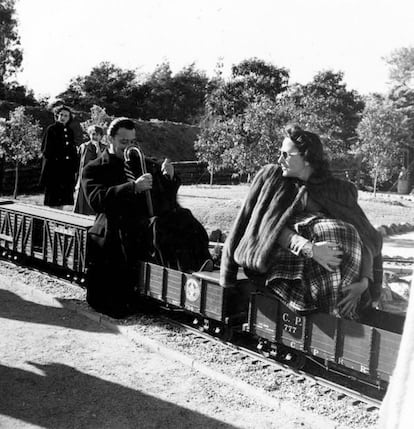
[(225, 334), (295, 360)]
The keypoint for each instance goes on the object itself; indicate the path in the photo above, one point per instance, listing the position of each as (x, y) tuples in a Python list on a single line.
[(59, 369)]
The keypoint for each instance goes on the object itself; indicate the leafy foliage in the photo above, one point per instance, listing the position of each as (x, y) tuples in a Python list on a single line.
[(19, 139), (326, 107), (213, 140), (11, 55), (162, 95), (107, 85), (249, 132), (382, 132), (251, 79), (177, 98), (401, 62)]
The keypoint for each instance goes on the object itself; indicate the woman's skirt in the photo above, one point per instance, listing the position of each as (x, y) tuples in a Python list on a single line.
[(304, 285)]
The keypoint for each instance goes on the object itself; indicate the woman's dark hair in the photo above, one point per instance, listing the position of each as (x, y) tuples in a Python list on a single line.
[(310, 147), (118, 123), (58, 109)]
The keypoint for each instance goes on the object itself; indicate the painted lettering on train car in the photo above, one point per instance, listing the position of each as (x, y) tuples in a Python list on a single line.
[(292, 323)]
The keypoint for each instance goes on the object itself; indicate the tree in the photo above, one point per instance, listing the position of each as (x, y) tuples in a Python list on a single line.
[(108, 86), (189, 89), (328, 108), (19, 140), (382, 132), (250, 79), (257, 136), (244, 142), (401, 73), (11, 55), (401, 62), (212, 141)]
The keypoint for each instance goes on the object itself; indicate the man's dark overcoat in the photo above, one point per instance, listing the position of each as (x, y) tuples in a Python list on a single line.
[(124, 233), (59, 166)]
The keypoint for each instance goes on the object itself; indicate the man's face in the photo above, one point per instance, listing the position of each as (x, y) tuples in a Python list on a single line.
[(121, 140)]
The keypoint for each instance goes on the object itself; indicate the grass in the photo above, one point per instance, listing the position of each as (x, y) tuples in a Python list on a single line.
[(216, 206)]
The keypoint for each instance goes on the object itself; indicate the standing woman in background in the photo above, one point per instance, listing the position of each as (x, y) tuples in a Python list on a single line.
[(88, 151), (60, 161)]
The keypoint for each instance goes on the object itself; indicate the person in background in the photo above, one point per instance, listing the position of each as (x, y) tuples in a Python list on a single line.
[(60, 161), (88, 152), (126, 230), (302, 232)]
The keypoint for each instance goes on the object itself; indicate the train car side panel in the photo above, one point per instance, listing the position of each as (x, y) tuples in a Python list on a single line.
[(263, 314), (355, 342), (322, 332), (384, 356)]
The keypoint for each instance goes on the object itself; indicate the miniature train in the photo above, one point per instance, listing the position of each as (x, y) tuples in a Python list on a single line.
[(366, 351)]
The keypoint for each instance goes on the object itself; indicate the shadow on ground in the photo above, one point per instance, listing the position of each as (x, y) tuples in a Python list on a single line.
[(66, 398), (14, 307)]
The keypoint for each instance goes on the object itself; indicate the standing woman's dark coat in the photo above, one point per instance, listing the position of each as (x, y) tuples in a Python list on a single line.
[(60, 163)]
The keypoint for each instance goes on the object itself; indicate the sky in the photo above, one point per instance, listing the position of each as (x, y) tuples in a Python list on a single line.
[(62, 39)]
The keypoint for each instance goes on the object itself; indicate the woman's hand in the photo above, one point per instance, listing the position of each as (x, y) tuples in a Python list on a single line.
[(327, 254), (352, 295), (143, 183)]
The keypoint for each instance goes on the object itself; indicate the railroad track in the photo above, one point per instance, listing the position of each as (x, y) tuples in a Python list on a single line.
[(251, 357), (254, 358)]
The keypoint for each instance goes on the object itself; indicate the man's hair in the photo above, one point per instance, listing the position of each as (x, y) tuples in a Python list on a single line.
[(310, 147), (118, 123), (96, 128)]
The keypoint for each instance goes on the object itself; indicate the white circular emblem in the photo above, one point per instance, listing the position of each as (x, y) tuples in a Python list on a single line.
[(192, 290)]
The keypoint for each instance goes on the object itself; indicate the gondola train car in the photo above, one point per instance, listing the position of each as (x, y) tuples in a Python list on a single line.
[(365, 350), (45, 236)]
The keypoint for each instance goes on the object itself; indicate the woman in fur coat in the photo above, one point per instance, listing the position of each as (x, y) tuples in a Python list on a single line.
[(302, 233)]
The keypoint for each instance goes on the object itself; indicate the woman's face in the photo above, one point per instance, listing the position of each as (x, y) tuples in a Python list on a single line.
[(94, 136), (63, 117), (291, 161)]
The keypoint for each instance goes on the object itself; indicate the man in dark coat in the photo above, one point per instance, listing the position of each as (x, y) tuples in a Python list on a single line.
[(125, 231), (60, 161)]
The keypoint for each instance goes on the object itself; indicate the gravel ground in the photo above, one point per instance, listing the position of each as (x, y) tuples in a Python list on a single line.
[(277, 385)]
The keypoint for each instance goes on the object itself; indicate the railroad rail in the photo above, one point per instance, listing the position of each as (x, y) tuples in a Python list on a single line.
[(255, 357)]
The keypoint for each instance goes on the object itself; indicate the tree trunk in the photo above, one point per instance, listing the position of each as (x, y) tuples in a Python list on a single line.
[(358, 158), (375, 180), (211, 171), (16, 179)]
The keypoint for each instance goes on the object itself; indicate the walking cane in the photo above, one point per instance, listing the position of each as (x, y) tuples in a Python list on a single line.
[(127, 156)]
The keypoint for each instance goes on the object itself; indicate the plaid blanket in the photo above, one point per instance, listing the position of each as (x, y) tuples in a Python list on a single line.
[(304, 285)]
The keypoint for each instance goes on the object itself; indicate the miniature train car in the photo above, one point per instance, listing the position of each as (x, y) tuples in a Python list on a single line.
[(366, 351), (199, 293), (53, 237)]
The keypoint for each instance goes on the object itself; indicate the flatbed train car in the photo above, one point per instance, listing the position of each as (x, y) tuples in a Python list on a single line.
[(366, 349)]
